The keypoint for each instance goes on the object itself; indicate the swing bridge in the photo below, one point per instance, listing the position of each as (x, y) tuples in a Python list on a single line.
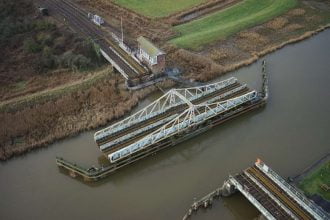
[(174, 117)]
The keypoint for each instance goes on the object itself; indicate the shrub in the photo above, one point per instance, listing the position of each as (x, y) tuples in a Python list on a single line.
[(75, 61), (81, 62), (47, 60), (46, 63), (277, 23), (66, 59), (31, 46), (45, 39), (297, 12), (91, 50), (43, 25)]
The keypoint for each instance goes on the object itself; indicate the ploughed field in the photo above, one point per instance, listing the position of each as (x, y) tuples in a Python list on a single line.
[(224, 23), (158, 8)]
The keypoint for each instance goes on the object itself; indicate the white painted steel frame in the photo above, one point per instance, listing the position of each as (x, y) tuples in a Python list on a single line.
[(316, 211), (255, 202), (109, 144), (172, 98), (191, 117)]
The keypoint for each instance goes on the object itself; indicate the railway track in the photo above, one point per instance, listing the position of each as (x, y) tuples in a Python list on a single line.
[(133, 139), (140, 70), (83, 25), (264, 199), (181, 107), (172, 111), (279, 193), (137, 67), (96, 174)]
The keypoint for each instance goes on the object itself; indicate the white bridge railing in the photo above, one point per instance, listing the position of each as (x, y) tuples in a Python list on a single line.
[(191, 117), (301, 199), (110, 144), (172, 98)]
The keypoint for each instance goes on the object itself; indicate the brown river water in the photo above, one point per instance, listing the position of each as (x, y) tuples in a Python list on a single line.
[(290, 133)]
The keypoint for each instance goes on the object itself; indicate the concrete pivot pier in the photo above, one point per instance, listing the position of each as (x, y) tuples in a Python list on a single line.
[(269, 193)]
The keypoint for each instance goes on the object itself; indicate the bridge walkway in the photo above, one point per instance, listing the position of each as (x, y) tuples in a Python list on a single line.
[(169, 112), (279, 193), (262, 197)]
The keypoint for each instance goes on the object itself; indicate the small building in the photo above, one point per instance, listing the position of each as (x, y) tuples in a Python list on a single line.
[(152, 56)]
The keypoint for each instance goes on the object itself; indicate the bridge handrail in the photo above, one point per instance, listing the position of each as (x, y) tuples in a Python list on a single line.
[(318, 210), (139, 131), (214, 99), (71, 165), (91, 174), (143, 114), (251, 198), (176, 125)]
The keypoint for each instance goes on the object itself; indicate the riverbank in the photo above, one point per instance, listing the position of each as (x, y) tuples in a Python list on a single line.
[(314, 181), (223, 54), (283, 133), (42, 118), (247, 46)]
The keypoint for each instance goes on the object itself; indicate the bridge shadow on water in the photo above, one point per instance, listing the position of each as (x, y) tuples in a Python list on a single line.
[(169, 157)]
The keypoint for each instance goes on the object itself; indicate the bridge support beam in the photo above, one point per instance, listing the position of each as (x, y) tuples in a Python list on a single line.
[(228, 188), (247, 194), (122, 72)]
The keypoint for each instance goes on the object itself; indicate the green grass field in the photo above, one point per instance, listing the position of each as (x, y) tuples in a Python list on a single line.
[(158, 8), (312, 184), (222, 24)]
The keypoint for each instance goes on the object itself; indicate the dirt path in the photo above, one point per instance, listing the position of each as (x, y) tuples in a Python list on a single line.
[(19, 102)]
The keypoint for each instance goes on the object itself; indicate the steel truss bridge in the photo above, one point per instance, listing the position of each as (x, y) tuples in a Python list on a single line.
[(176, 116), (273, 196), (175, 113), (268, 192)]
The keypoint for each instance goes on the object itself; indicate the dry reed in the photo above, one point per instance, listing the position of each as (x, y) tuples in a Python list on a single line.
[(277, 23), (297, 12), (44, 123), (293, 27)]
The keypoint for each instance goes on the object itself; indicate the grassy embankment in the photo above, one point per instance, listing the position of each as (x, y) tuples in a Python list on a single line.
[(318, 182), (30, 100), (158, 8), (222, 24)]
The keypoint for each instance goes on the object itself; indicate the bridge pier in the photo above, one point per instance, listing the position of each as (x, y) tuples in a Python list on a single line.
[(228, 189), (87, 179), (72, 174)]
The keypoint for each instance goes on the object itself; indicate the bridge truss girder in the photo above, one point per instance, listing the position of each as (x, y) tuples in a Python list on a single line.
[(172, 98), (191, 117)]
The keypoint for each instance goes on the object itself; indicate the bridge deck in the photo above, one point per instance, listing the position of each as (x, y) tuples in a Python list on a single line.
[(168, 113), (262, 197), (273, 196), (158, 118), (279, 193)]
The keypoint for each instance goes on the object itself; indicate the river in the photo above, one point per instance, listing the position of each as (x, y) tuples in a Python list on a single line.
[(290, 133)]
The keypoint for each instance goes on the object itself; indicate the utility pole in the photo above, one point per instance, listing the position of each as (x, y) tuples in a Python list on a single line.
[(122, 32)]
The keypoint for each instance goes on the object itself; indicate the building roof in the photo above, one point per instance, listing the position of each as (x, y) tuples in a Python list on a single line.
[(148, 47)]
